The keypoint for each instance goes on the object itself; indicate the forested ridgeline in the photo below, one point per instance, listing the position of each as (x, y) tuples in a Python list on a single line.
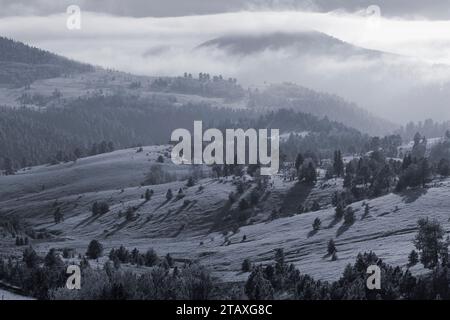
[(205, 85), (298, 98), (21, 64), (30, 137), (428, 128)]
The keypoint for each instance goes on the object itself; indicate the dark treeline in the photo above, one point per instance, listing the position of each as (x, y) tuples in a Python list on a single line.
[(204, 85), (292, 96), (30, 137), (376, 173), (45, 278), (20, 64), (283, 279), (428, 128), (323, 138)]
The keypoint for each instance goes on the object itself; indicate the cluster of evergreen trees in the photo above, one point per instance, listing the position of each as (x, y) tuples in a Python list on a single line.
[(204, 85), (319, 104), (306, 169), (28, 137), (284, 280), (150, 258), (44, 277), (99, 208), (22, 241), (371, 176), (429, 128), (324, 136)]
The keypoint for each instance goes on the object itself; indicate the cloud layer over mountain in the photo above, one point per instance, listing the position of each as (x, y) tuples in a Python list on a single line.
[(410, 82)]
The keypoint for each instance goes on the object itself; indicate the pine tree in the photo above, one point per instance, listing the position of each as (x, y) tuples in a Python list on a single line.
[(148, 195), (169, 194), (348, 180), (77, 153), (246, 265), (413, 258), (366, 210), (169, 260), (311, 174), (180, 194), (258, 287), (443, 167), (338, 164), (110, 146), (95, 250), (349, 216), (331, 247), (191, 182), (279, 256), (95, 208), (316, 224), (103, 207), (243, 204), (52, 259), (30, 257), (406, 162), (298, 161), (8, 167), (58, 216), (417, 138), (151, 258), (429, 242), (339, 212), (424, 171), (135, 255)]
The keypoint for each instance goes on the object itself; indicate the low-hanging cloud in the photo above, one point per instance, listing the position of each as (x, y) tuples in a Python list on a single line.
[(413, 74)]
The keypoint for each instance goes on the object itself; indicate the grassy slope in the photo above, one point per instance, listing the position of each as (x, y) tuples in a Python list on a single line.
[(109, 82), (184, 230)]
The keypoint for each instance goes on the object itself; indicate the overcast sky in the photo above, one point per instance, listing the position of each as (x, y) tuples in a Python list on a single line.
[(430, 9), (159, 37)]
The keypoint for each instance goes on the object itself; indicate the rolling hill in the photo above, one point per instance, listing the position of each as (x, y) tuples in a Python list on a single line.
[(192, 227), (386, 84), (303, 43), (21, 65)]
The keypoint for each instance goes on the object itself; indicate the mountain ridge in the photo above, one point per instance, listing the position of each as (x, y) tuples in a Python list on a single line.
[(305, 42), (22, 64)]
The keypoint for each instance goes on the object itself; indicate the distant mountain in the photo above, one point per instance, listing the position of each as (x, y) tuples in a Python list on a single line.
[(375, 80), (126, 120), (335, 108), (306, 42), (129, 110), (311, 44), (21, 64)]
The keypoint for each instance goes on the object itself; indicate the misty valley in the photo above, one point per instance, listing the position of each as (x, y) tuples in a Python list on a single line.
[(136, 180)]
